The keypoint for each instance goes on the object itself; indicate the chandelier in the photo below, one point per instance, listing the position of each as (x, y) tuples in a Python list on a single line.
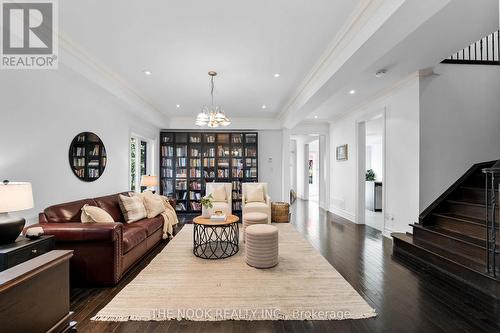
[(212, 115)]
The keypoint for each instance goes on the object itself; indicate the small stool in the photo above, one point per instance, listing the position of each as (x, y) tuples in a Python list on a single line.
[(253, 218), (261, 247)]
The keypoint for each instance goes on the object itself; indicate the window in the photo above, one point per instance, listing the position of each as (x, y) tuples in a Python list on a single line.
[(141, 153)]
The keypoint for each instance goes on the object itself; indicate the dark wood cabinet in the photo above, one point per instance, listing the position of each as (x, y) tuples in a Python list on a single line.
[(24, 249), (189, 160), (34, 295)]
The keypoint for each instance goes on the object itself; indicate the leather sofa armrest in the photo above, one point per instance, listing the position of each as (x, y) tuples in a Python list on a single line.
[(42, 218), (82, 232)]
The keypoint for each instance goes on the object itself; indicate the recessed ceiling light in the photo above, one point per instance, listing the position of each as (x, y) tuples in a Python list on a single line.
[(178, 106), (147, 72), (277, 75), (315, 117), (352, 92), (264, 106)]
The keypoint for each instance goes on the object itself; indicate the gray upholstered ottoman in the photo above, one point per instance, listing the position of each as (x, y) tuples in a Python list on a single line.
[(253, 218), (261, 247)]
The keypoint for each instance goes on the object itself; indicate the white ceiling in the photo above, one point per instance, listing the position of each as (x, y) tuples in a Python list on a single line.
[(418, 35), (180, 41)]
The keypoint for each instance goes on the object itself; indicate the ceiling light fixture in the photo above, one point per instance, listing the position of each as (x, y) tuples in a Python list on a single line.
[(178, 106), (315, 117), (147, 72), (352, 92), (212, 115), (277, 75), (264, 106)]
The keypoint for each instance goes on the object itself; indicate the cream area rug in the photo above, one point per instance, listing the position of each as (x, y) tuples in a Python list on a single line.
[(178, 285)]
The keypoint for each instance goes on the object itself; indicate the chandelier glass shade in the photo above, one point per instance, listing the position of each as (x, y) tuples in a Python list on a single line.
[(212, 115)]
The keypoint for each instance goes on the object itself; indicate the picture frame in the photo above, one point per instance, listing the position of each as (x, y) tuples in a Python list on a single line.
[(342, 153)]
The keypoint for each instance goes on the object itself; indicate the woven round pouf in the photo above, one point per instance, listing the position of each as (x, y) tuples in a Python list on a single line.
[(253, 218), (261, 247)]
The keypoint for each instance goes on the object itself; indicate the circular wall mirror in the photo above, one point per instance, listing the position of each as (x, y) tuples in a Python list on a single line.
[(87, 156)]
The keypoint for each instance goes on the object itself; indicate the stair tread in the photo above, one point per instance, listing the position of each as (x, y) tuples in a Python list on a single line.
[(475, 188), (445, 255), (463, 218), (451, 234), (468, 203)]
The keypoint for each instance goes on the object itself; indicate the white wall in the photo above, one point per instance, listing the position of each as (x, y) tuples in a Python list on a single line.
[(401, 107), (41, 112), (270, 162), (459, 125), (374, 154)]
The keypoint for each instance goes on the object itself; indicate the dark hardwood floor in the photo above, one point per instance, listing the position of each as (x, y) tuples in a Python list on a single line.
[(406, 298)]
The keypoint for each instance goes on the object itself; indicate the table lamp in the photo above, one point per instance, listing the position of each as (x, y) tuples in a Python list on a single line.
[(14, 197), (149, 181)]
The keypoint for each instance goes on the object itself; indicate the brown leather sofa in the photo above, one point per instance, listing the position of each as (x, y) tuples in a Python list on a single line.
[(103, 252)]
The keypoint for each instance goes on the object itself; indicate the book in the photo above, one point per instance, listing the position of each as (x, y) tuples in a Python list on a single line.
[(218, 218)]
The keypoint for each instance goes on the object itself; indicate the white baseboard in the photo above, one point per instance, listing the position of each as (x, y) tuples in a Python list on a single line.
[(343, 213)]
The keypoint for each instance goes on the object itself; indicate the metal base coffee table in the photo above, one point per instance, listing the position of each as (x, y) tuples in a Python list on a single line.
[(215, 240)]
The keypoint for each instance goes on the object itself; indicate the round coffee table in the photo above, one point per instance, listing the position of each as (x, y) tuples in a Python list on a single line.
[(215, 240)]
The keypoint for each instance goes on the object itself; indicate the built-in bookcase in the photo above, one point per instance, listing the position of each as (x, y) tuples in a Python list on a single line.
[(189, 160), (87, 156)]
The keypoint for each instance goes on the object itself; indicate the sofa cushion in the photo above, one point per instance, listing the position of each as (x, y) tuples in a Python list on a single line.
[(255, 194), (150, 225), (92, 214), (132, 236), (111, 204), (219, 193), (132, 208), (152, 202), (255, 205), (67, 212)]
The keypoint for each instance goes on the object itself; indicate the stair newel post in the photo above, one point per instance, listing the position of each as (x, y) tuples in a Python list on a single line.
[(491, 217), (492, 228), (487, 214)]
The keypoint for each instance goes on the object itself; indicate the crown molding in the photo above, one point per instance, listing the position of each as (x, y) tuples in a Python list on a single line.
[(76, 58)]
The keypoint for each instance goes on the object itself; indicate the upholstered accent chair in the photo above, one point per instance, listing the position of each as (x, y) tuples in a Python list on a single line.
[(255, 199), (223, 200)]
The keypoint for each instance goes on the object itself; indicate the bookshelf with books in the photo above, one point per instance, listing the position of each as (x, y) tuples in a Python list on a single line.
[(87, 156), (189, 160)]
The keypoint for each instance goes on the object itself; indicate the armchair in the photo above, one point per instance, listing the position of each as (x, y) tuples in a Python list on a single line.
[(255, 206), (226, 206)]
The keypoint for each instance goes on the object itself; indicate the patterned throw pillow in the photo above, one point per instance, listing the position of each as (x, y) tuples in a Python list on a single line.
[(95, 214), (132, 208), (152, 202)]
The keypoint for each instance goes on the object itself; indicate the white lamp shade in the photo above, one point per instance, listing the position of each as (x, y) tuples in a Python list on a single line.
[(149, 181), (15, 197)]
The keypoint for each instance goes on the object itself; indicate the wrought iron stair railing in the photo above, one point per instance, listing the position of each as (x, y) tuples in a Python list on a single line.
[(483, 52)]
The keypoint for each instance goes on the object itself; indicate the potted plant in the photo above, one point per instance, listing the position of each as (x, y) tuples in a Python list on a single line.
[(207, 202), (370, 175)]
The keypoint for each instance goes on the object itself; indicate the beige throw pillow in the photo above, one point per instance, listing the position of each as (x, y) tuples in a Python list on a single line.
[(95, 214), (132, 208), (152, 202), (255, 194), (219, 193)]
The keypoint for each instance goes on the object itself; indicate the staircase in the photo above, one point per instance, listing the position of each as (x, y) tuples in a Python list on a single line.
[(451, 237)]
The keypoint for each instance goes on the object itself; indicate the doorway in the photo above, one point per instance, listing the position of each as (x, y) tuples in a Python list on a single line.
[(371, 171), (313, 171)]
